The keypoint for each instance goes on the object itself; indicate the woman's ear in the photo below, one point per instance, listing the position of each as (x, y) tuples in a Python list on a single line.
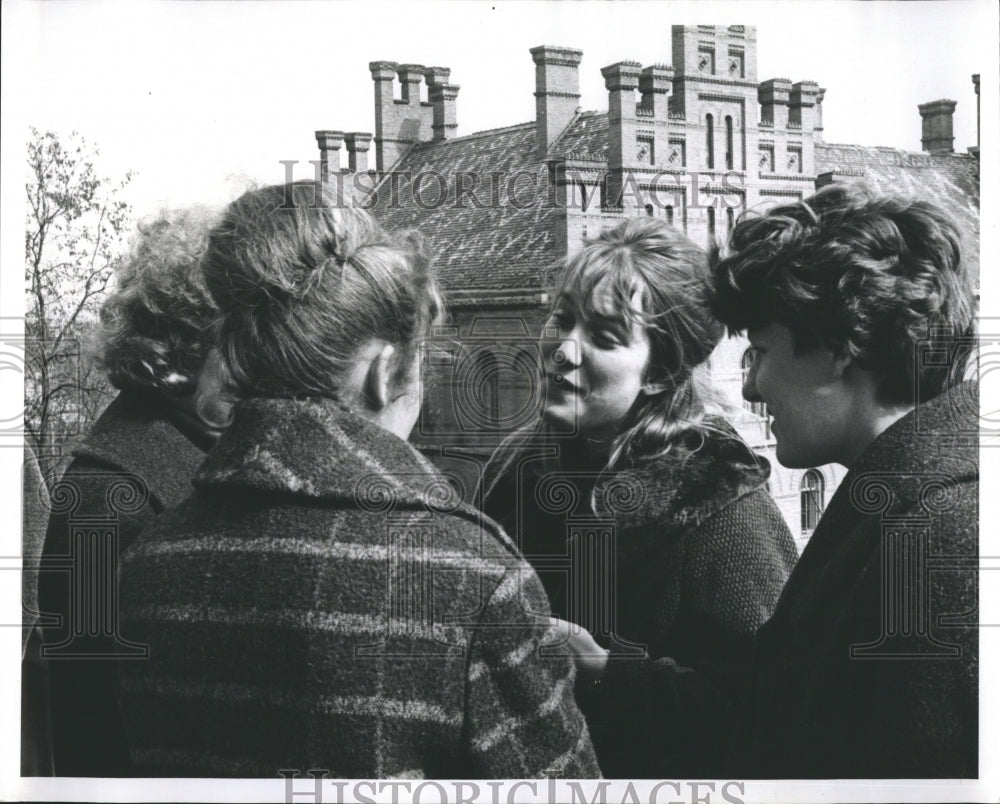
[(378, 378), (214, 397)]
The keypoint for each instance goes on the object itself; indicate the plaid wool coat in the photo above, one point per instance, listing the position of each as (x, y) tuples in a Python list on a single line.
[(325, 601)]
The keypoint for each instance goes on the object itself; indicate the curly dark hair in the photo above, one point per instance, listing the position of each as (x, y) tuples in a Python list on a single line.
[(867, 275), (156, 328)]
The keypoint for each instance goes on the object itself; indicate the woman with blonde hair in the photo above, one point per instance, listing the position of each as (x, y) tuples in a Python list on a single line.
[(694, 552)]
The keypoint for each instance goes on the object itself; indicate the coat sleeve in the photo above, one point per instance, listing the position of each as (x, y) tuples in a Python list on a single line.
[(659, 719), (521, 719)]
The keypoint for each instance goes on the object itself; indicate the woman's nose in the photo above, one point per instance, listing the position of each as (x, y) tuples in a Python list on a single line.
[(566, 353)]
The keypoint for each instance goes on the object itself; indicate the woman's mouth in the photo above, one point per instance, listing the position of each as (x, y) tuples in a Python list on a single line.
[(558, 379)]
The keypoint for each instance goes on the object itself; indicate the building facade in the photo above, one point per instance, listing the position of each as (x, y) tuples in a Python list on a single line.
[(696, 142)]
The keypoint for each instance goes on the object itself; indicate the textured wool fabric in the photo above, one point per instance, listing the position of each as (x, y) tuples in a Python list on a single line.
[(325, 600), (838, 687), (700, 555), (36, 736), (137, 461)]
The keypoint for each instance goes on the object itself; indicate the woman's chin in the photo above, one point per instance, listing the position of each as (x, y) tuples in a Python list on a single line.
[(562, 418)]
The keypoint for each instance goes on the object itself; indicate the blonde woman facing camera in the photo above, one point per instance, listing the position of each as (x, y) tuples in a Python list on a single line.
[(699, 551)]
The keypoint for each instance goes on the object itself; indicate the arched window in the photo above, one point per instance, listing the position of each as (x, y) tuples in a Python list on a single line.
[(811, 496), (730, 220), (711, 226), (670, 215), (729, 142), (710, 141), (756, 408), (649, 210)]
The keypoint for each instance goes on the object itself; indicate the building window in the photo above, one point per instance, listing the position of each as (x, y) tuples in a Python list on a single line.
[(670, 215), (649, 210), (811, 496), (706, 59), (729, 142), (758, 409), (737, 61), (710, 141), (730, 220), (644, 151), (794, 162), (711, 226)]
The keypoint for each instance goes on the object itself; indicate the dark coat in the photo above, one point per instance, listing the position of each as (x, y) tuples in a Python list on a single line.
[(324, 601), (137, 461), (869, 666), (36, 735), (700, 554)]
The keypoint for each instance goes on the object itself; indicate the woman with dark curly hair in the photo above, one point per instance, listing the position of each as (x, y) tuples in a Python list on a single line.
[(631, 442), (324, 599), (137, 461), (860, 309)]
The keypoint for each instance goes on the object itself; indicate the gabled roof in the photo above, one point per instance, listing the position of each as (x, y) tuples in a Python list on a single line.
[(949, 180), (506, 244)]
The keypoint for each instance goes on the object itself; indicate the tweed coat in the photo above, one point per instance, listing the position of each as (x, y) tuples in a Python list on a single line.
[(324, 600), (137, 461), (700, 555), (869, 666)]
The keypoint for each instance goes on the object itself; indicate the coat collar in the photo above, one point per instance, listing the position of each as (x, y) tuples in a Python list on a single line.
[(318, 450), (138, 433), (936, 444), (683, 487)]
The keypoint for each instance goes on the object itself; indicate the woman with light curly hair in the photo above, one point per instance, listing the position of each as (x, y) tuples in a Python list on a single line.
[(137, 461)]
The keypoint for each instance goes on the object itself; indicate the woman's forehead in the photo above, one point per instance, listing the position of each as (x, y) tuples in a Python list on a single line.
[(606, 295)]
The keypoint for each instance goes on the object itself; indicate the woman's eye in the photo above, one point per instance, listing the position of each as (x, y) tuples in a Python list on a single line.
[(606, 338)]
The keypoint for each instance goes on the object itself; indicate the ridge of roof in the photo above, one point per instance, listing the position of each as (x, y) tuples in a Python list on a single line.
[(477, 134), (893, 149)]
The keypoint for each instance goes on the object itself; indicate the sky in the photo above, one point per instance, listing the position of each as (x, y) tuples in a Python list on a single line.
[(198, 98)]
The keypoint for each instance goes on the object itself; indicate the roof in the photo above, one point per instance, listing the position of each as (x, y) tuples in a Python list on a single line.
[(504, 245), (508, 242), (949, 180), (586, 137)]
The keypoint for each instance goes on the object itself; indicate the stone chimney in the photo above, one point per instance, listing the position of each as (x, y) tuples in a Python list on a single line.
[(557, 91), (621, 80), (938, 137), (329, 143), (358, 144), (442, 97), (818, 129), (399, 124), (655, 85), (802, 105), (773, 96)]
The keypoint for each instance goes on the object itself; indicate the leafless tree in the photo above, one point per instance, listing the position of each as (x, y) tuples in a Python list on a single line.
[(77, 226)]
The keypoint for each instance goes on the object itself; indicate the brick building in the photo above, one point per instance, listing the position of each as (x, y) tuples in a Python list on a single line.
[(696, 142)]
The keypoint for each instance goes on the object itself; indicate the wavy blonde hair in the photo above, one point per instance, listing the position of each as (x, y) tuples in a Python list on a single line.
[(647, 259)]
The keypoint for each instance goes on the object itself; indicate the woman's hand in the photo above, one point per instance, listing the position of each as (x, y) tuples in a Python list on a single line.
[(590, 658)]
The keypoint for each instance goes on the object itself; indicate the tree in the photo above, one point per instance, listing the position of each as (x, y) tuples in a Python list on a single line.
[(76, 230)]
